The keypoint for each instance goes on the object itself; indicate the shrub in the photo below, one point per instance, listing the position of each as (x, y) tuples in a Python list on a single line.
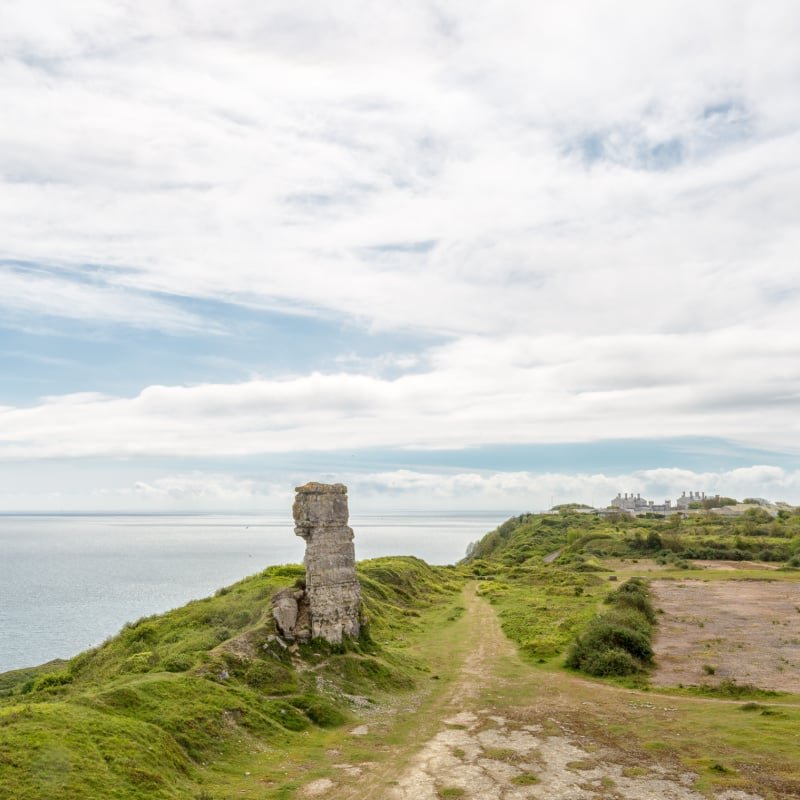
[(270, 677), (634, 594), (637, 602), (618, 641), (603, 634), (49, 680), (628, 618), (179, 663), (141, 632), (613, 661), (139, 662)]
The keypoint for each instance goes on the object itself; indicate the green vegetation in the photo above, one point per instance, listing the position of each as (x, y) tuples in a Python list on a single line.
[(582, 538), (148, 712), (544, 606), (617, 642), (540, 609), (545, 575), (10, 680), (553, 579)]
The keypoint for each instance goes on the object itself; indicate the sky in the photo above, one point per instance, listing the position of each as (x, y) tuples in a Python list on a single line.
[(456, 255)]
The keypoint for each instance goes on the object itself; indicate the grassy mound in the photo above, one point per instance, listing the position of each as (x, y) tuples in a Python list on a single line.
[(618, 642), (138, 716)]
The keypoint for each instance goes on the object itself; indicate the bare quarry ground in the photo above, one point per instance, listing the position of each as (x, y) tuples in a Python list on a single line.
[(489, 757), (747, 631)]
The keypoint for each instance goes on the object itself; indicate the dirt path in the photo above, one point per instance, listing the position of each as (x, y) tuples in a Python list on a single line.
[(486, 747)]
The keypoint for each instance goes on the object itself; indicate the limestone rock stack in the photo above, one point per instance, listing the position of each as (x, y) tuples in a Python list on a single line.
[(332, 588)]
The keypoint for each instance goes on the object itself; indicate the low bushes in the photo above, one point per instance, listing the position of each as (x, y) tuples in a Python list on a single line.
[(49, 680), (634, 594), (618, 642)]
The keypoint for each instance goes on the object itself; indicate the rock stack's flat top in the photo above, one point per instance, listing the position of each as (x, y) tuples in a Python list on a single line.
[(320, 505), (321, 488)]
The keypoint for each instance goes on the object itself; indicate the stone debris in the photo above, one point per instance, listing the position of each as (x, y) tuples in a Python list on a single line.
[(317, 788), (290, 610), (357, 700), (351, 770), (465, 719)]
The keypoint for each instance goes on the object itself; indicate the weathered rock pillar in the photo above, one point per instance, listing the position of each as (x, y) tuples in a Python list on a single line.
[(334, 594)]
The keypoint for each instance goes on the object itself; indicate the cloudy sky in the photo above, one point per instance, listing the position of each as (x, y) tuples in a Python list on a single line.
[(455, 254)]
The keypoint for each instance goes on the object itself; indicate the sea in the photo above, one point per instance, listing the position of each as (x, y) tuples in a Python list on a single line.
[(68, 582)]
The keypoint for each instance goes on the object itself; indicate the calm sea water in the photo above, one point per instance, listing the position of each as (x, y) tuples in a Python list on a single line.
[(69, 582)]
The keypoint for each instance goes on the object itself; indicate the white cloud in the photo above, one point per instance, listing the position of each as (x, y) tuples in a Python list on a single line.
[(26, 290), (738, 386), (261, 154), (515, 492), (529, 491), (202, 490)]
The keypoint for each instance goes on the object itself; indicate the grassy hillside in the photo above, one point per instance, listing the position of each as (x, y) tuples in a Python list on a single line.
[(173, 701), (701, 535), (548, 574)]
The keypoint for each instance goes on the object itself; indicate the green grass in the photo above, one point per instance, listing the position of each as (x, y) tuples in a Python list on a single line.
[(9, 681), (539, 608), (450, 792), (175, 704), (675, 540), (545, 607)]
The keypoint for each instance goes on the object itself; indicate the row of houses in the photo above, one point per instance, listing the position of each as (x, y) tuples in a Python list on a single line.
[(636, 504)]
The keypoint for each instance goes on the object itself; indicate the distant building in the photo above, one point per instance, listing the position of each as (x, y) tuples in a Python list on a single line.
[(635, 504), (683, 502)]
